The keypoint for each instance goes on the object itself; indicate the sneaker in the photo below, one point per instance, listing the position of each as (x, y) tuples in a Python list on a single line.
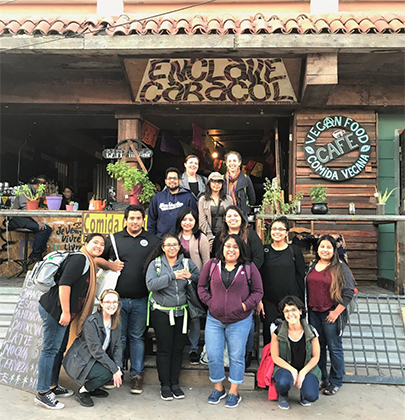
[(304, 402), (84, 399), (194, 358), (99, 393), (283, 402), (233, 401), (109, 385), (216, 396), (49, 401), (166, 393), (177, 392), (136, 385), (62, 392)]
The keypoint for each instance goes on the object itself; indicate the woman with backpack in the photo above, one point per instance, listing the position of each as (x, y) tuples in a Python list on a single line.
[(283, 273), (231, 288), (64, 309), (167, 275), (330, 289), (196, 247), (95, 357)]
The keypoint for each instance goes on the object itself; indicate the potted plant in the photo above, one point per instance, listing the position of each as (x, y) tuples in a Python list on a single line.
[(318, 195), (53, 198), (134, 180), (352, 208), (69, 207), (382, 199), (31, 195)]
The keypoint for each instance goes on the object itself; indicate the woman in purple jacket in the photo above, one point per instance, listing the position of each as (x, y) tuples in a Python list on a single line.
[(231, 288)]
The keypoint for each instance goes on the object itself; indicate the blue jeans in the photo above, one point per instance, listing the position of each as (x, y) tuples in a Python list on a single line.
[(236, 335), (329, 338), (194, 334), (283, 381), (41, 235), (133, 326), (50, 361)]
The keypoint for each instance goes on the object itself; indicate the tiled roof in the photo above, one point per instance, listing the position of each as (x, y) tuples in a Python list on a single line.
[(336, 23)]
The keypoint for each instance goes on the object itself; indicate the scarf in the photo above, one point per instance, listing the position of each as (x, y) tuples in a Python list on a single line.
[(77, 324), (231, 183)]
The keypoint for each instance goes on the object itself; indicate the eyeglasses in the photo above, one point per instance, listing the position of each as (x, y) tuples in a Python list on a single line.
[(216, 181), (292, 310), (172, 178), (278, 229), (109, 302), (171, 246), (234, 247)]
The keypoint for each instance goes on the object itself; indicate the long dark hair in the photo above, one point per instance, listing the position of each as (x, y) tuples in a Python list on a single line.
[(243, 257), (208, 191), (243, 230), (334, 268), (182, 214), (158, 250)]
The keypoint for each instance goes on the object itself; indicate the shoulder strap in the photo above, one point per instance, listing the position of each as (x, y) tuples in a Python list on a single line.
[(248, 275), (291, 248), (158, 265), (113, 243)]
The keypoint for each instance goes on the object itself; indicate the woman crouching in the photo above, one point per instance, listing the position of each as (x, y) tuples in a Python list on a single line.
[(95, 357), (295, 352)]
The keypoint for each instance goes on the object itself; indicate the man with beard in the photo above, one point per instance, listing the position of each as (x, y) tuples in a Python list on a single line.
[(134, 244), (166, 204)]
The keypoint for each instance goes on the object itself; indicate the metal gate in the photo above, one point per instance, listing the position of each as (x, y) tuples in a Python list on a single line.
[(374, 341)]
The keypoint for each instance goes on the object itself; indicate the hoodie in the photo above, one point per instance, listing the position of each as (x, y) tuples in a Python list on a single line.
[(164, 208)]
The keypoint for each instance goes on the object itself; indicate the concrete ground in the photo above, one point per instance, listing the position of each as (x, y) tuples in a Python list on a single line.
[(353, 401)]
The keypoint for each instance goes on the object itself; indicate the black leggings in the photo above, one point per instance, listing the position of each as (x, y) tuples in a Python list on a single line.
[(170, 345), (271, 314)]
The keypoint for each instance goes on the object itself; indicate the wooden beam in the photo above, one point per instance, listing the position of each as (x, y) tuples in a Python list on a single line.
[(321, 77)]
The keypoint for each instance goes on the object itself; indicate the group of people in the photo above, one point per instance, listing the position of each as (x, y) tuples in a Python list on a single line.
[(197, 238)]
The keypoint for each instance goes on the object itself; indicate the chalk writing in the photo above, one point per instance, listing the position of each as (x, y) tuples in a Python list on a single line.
[(22, 345), (69, 236)]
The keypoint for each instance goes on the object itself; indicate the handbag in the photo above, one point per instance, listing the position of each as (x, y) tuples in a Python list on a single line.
[(107, 279), (194, 305)]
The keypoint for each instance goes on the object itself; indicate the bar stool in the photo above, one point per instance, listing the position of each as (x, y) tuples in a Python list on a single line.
[(24, 263)]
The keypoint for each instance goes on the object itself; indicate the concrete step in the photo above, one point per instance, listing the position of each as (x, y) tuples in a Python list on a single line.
[(196, 375)]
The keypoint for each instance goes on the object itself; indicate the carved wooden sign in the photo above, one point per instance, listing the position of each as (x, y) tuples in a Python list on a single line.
[(332, 138), (216, 80)]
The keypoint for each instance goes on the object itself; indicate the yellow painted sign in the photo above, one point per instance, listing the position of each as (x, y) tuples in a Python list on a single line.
[(102, 222)]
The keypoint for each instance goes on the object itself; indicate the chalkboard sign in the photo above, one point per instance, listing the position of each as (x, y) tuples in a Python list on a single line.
[(22, 346)]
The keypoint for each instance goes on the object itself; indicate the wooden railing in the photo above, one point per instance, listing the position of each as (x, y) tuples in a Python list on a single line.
[(316, 221)]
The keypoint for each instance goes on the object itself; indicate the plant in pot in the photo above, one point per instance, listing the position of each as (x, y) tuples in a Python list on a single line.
[(31, 194), (135, 181), (69, 207), (318, 195), (382, 199), (53, 198)]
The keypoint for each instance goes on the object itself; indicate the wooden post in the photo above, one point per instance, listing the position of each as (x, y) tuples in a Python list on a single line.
[(400, 258), (129, 127)]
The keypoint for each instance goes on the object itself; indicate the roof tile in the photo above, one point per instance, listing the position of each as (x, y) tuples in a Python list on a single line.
[(287, 23)]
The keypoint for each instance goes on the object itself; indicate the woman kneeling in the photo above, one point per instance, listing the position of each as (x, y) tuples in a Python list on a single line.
[(295, 352), (95, 357)]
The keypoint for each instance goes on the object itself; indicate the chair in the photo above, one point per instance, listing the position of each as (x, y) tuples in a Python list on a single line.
[(24, 262)]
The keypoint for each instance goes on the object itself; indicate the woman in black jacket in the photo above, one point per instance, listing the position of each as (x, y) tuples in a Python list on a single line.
[(95, 357)]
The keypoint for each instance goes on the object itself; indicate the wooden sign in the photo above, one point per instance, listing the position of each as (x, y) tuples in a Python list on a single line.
[(233, 80), (338, 136), (22, 346)]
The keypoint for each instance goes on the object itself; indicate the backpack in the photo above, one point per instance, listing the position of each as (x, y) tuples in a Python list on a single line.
[(47, 272), (245, 266)]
